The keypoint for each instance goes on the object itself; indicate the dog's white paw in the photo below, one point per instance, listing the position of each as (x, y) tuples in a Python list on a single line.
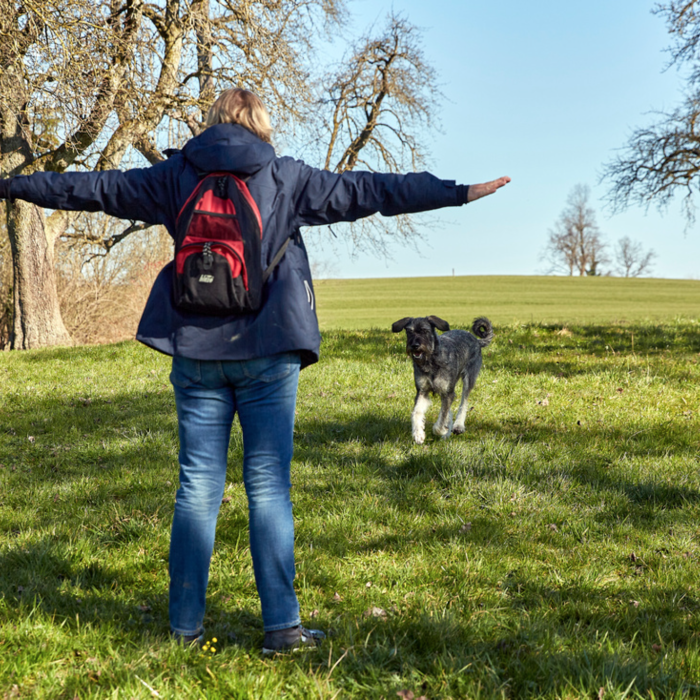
[(458, 429), (442, 432), (419, 436)]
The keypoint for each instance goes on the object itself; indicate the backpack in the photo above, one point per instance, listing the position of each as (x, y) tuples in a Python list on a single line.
[(218, 241)]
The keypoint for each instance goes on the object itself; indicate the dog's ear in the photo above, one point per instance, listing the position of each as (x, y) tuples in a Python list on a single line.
[(398, 326), (438, 323)]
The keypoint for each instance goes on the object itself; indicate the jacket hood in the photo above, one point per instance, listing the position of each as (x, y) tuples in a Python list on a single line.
[(228, 147)]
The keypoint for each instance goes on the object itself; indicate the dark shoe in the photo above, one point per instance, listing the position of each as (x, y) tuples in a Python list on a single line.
[(188, 639), (291, 639)]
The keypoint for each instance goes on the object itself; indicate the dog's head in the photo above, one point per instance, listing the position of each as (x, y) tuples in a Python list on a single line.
[(421, 338)]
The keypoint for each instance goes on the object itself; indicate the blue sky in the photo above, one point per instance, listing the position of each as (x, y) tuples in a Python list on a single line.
[(544, 92)]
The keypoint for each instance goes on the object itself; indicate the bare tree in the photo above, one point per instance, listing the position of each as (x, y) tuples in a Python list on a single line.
[(86, 83), (36, 64), (373, 113), (5, 282), (102, 296), (97, 84), (662, 160), (631, 259), (575, 244)]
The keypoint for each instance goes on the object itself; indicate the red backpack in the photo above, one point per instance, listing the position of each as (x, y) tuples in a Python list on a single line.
[(218, 240)]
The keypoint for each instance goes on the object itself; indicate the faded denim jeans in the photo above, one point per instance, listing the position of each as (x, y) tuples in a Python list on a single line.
[(208, 394)]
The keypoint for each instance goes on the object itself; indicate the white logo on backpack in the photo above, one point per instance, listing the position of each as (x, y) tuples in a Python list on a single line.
[(206, 279)]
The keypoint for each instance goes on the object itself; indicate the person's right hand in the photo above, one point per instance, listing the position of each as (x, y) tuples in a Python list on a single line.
[(4, 188)]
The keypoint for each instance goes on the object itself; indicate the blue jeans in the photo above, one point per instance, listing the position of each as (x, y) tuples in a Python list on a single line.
[(208, 394)]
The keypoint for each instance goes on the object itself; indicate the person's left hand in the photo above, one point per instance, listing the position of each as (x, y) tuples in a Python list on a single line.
[(486, 188)]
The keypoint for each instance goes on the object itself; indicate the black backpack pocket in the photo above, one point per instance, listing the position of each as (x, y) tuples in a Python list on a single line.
[(211, 278)]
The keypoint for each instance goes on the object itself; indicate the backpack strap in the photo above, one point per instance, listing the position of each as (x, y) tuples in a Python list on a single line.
[(275, 260)]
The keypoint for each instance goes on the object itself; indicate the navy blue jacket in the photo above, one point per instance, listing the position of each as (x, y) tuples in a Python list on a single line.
[(289, 194)]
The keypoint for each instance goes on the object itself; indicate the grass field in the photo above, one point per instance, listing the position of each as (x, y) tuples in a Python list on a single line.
[(352, 304), (551, 551)]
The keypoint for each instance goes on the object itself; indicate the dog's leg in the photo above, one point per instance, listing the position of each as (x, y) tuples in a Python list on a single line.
[(468, 382), (443, 425), (418, 417), (461, 416)]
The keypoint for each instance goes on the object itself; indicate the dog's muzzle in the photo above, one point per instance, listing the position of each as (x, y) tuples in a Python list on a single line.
[(417, 352)]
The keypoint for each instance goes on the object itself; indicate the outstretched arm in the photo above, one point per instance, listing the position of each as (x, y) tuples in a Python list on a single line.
[(139, 194), (324, 197)]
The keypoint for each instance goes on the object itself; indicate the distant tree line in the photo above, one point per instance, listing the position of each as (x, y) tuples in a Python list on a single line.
[(576, 245)]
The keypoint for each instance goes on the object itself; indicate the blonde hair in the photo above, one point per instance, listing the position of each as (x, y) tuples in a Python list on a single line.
[(239, 106)]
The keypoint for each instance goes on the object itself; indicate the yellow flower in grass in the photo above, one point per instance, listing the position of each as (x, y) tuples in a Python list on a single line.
[(207, 646)]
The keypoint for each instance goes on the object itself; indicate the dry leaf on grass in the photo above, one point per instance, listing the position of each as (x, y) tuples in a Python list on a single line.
[(374, 611)]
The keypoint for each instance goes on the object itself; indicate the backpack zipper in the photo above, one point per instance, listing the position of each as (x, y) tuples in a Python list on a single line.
[(207, 247), (207, 256)]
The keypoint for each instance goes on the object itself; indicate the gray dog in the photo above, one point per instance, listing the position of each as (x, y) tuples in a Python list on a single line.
[(439, 361)]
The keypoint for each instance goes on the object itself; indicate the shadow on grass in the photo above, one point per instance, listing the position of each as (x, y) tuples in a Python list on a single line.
[(543, 460), (623, 647), (107, 437), (453, 649), (643, 339), (66, 437), (44, 575), (491, 452), (591, 338), (564, 368), (362, 345)]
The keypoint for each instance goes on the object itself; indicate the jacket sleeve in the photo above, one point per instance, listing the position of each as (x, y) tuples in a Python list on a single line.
[(325, 198), (141, 194)]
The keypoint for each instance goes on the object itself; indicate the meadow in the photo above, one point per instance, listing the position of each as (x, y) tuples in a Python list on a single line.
[(549, 552), (376, 303)]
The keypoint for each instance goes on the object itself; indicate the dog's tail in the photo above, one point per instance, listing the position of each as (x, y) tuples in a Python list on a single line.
[(483, 330)]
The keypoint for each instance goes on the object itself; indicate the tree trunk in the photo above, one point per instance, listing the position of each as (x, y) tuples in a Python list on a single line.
[(37, 317)]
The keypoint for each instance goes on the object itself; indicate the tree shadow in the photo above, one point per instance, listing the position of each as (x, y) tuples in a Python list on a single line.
[(486, 453), (38, 575), (489, 453), (63, 438), (373, 343), (464, 648)]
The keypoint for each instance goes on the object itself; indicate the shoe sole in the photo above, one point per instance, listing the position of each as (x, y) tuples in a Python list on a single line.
[(290, 650)]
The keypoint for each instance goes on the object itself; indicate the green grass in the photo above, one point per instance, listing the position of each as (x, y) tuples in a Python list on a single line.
[(351, 304), (549, 552)]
